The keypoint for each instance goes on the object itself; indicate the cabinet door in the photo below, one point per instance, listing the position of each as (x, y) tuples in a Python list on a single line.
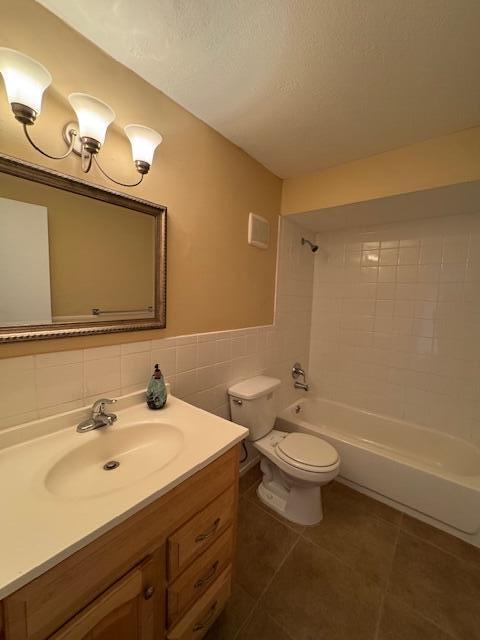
[(128, 610)]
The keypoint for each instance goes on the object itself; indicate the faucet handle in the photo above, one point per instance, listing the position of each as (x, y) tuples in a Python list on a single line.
[(297, 371), (99, 405)]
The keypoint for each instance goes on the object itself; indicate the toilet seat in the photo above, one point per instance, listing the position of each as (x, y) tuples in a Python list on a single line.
[(307, 452)]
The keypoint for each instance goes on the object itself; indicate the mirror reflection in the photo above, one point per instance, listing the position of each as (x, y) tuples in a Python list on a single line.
[(68, 258)]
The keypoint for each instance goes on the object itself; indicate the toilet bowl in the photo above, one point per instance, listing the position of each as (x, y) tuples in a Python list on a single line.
[(294, 465)]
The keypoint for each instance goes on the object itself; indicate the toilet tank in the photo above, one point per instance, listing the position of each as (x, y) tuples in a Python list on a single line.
[(252, 404)]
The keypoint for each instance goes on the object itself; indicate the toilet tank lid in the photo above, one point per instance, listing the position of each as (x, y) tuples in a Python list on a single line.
[(254, 387)]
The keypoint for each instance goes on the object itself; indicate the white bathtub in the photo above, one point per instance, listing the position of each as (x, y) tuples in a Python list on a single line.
[(432, 473)]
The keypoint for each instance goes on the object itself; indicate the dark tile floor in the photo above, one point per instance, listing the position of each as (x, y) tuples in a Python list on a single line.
[(366, 572)]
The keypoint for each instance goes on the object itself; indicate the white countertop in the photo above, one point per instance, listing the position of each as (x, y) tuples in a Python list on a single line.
[(39, 529)]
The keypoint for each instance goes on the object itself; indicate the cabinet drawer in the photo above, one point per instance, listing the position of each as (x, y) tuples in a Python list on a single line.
[(199, 532), (199, 576), (196, 622)]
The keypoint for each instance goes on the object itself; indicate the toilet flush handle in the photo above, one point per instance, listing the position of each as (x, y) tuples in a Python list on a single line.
[(237, 401)]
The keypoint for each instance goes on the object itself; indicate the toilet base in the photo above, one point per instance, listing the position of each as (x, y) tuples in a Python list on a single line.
[(299, 504), (291, 492)]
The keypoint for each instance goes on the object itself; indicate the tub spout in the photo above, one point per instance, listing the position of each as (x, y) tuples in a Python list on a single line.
[(298, 372), (300, 385)]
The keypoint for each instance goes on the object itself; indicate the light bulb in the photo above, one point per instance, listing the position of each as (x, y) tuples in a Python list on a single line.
[(93, 117), (25, 81), (144, 141)]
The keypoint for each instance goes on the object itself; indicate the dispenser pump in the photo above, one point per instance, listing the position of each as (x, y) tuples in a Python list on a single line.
[(157, 390)]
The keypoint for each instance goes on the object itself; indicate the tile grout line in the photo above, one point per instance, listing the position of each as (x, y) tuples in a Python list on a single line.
[(331, 554), (419, 614), (404, 604), (379, 615), (387, 582), (339, 558), (265, 589)]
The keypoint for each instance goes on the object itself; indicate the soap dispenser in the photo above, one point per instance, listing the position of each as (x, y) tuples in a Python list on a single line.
[(156, 390)]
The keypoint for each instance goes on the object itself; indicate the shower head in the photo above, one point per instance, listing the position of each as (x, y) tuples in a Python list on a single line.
[(313, 247)]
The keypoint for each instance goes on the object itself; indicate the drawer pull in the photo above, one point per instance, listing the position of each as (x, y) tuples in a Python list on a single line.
[(202, 625), (209, 532), (208, 577), (148, 593)]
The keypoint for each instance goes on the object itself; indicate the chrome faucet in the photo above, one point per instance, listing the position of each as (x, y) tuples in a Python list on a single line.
[(98, 418), (298, 372)]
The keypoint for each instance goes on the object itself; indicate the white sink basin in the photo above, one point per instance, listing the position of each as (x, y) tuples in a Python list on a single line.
[(134, 452), (56, 496)]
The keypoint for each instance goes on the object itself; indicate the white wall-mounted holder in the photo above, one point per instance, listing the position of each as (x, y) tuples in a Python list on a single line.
[(258, 231)]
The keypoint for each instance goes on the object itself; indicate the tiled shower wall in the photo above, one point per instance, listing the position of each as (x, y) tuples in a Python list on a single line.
[(396, 321), (200, 367), (295, 268)]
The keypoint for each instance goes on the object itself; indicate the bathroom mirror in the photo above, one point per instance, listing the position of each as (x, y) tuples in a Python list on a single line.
[(76, 259)]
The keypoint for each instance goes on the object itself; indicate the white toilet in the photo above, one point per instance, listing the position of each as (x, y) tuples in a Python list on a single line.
[(294, 465)]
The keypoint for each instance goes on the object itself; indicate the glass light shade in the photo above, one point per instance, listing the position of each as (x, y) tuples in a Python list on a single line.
[(93, 116), (144, 141), (25, 78)]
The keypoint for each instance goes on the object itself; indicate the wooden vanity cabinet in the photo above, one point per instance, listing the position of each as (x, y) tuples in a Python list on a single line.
[(164, 573)]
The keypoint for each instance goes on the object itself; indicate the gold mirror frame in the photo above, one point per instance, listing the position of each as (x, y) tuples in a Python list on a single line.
[(35, 173)]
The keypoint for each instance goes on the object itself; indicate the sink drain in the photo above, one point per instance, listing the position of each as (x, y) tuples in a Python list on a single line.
[(111, 464)]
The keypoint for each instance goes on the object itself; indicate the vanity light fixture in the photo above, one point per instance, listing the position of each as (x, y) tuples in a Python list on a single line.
[(26, 81), (144, 141)]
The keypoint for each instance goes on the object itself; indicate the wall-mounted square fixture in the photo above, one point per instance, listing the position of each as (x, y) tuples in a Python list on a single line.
[(258, 231)]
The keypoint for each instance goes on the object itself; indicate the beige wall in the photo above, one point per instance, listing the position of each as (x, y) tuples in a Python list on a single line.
[(433, 163), (215, 280)]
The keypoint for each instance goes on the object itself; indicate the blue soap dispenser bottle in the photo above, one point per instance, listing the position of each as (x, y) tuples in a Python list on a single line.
[(156, 390)]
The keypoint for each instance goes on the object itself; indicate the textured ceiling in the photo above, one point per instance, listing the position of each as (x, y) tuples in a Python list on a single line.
[(301, 85)]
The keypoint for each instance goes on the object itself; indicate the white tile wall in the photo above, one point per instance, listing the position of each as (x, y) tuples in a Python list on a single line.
[(289, 340), (199, 367), (396, 321)]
